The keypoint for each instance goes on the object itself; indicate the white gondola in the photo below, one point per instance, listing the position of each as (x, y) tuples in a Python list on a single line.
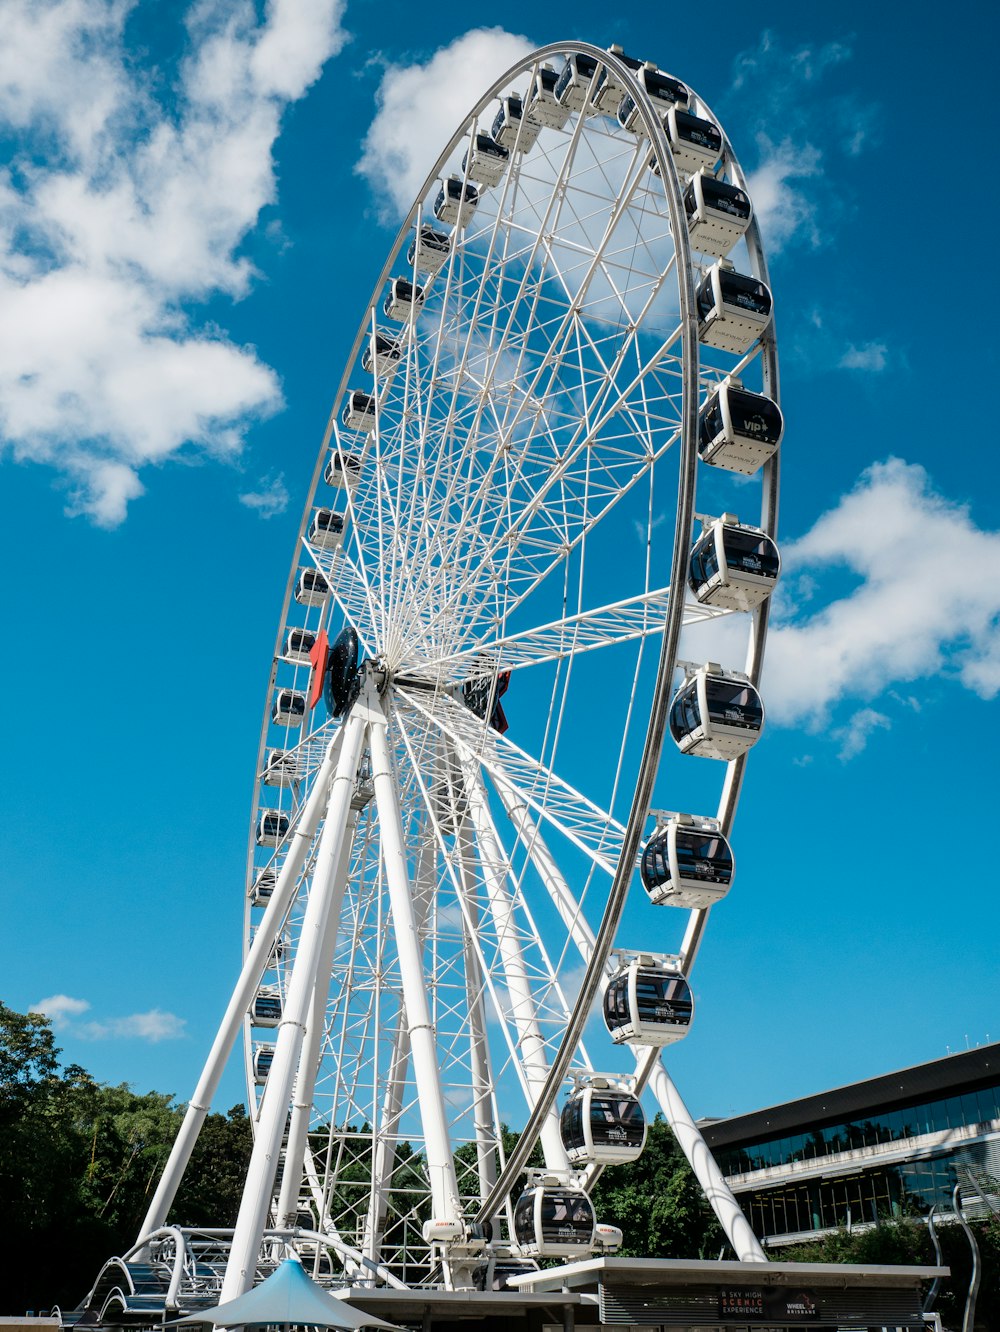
[(382, 355), (609, 91), (738, 430), (718, 214), (456, 202), (265, 1011), (313, 587), (733, 566), (429, 250), (694, 142), (485, 161), (289, 708), (262, 888), (687, 863), (540, 105), (734, 309), (272, 826), (263, 1058), (716, 714), (403, 300), (648, 1002), (279, 768), (512, 129), (359, 412), (602, 1122), (663, 91), (554, 1221), (326, 530), (343, 470), (575, 81), (297, 646)]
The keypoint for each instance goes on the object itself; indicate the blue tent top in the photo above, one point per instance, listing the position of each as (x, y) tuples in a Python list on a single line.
[(288, 1295)]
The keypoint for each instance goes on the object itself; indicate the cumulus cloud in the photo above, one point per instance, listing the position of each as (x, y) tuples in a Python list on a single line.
[(118, 212), (871, 356), (784, 210), (60, 1008), (270, 500), (421, 105), (913, 613)]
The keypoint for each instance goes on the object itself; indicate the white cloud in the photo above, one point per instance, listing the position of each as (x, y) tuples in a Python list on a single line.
[(154, 1026), (116, 212), (784, 210), (927, 600), (855, 735), (59, 1008), (871, 356), (270, 500), (420, 106)]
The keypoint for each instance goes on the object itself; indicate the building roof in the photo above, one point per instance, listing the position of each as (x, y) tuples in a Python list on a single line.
[(908, 1086)]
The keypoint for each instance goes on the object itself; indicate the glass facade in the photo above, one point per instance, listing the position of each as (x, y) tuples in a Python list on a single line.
[(876, 1126)]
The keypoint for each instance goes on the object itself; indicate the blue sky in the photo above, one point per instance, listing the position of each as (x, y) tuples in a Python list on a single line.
[(195, 206)]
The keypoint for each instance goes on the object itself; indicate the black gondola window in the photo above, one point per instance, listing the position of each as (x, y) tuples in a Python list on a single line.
[(734, 704)]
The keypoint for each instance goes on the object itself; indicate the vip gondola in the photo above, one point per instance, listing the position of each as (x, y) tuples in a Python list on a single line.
[(289, 708), (429, 249), (404, 299), (716, 714), (718, 214), (738, 430), (541, 105), (326, 530), (456, 202), (265, 1011), (279, 768), (603, 1123), (734, 309), (687, 863), (733, 566), (485, 161), (272, 826), (648, 1002), (382, 354), (553, 1222), (359, 412), (312, 588)]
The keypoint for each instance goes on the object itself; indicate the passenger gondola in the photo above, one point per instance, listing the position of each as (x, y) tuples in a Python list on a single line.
[(312, 588), (541, 105), (382, 355), (265, 1011), (272, 826), (326, 529), (738, 430), (648, 1002), (718, 214), (687, 863), (359, 412), (716, 714), (456, 202), (262, 888), (497, 1273), (733, 566), (574, 83), (485, 161), (603, 1123), (663, 91), (609, 90), (343, 470), (734, 309), (279, 768), (403, 300), (511, 128), (263, 1058), (694, 142), (553, 1222), (298, 644), (289, 708), (429, 249)]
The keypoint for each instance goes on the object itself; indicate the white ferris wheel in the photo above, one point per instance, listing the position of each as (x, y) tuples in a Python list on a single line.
[(461, 911)]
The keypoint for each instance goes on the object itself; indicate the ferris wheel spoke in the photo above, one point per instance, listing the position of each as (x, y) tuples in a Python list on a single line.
[(583, 823)]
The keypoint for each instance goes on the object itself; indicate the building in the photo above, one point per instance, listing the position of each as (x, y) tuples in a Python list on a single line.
[(890, 1146)]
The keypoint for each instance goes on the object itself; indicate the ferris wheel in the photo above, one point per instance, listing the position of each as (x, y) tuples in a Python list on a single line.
[(464, 909)]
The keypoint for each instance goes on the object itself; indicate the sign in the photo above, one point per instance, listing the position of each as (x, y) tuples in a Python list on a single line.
[(768, 1304)]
